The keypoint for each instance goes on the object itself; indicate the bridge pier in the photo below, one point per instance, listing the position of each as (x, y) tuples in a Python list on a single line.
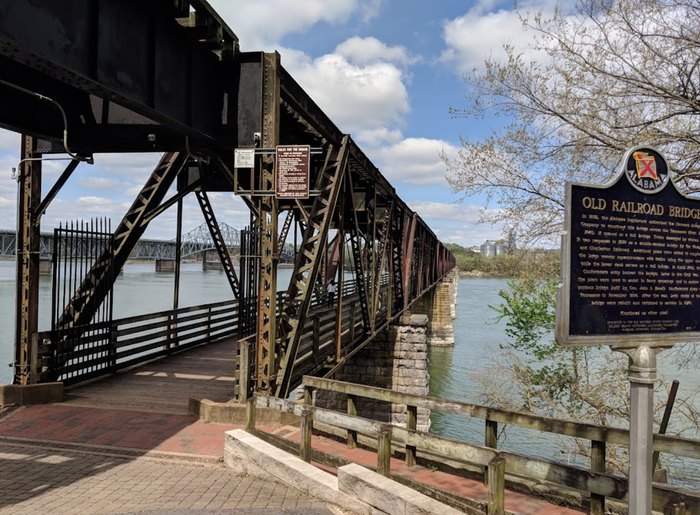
[(45, 266), (165, 265), (396, 359), (439, 305)]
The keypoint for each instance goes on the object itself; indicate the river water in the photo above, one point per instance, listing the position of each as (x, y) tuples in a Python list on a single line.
[(453, 370)]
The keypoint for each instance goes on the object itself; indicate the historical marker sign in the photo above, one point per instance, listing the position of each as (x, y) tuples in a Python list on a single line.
[(631, 260), (292, 171)]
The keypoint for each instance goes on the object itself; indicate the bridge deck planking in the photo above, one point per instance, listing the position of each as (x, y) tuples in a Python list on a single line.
[(165, 385)]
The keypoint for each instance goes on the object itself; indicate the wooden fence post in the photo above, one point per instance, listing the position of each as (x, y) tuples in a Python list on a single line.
[(411, 424), (250, 414), (307, 426), (384, 450), (497, 483), (352, 411), (597, 465)]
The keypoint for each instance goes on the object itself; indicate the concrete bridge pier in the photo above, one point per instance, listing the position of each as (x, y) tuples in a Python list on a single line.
[(165, 265)]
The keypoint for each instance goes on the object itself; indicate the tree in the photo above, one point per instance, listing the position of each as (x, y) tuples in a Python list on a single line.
[(588, 384), (611, 75)]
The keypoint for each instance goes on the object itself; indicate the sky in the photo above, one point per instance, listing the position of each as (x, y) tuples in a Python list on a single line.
[(385, 71)]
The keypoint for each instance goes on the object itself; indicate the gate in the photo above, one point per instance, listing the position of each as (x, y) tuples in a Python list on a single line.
[(81, 351)]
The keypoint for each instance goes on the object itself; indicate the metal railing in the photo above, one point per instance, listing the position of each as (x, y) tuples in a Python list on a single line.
[(106, 347)]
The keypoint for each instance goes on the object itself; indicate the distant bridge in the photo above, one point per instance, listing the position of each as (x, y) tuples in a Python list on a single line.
[(196, 241)]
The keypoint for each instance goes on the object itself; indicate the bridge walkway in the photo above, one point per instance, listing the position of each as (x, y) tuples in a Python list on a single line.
[(145, 410)]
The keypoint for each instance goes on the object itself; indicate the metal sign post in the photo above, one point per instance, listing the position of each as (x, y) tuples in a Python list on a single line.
[(642, 377), (631, 280)]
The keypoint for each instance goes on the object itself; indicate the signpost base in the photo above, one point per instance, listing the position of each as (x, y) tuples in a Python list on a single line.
[(642, 376)]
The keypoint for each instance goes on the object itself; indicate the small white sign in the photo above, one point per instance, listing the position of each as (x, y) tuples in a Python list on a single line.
[(244, 158)]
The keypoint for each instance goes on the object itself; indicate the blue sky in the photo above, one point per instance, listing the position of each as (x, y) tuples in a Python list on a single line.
[(386, 71)]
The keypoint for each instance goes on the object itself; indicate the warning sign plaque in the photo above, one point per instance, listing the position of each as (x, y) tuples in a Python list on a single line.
[(292, 171)]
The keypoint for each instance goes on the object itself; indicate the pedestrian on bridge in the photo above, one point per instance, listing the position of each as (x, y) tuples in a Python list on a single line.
[(332, 290)]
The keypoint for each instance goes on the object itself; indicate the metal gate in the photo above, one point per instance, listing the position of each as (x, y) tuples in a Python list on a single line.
[(87, 350)]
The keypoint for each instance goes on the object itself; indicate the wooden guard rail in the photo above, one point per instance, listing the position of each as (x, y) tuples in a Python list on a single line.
[(496, 463)]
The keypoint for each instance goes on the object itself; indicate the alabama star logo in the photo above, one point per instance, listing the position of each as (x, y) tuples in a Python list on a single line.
[(646, 170)]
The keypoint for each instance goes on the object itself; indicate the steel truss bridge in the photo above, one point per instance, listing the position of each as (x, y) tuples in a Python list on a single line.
[(193, 242), (81, 78)]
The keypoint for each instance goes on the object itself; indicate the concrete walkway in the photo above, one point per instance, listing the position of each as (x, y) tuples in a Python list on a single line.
[(65, 459)]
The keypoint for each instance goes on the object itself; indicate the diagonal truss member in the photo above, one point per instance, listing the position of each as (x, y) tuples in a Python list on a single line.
[(91, 292), (307, 264), (219, 242)]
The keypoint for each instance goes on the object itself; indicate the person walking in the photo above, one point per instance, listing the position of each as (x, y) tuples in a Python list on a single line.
[(332, 290)]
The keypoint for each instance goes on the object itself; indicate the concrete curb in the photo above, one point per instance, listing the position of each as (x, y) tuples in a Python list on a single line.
[(388, 495), (24, 395), (234, 413), (356, 488)]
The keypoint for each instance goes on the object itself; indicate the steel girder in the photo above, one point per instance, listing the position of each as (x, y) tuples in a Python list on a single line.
[(28, 236), (130, 75), (219, 242), (267, 224)]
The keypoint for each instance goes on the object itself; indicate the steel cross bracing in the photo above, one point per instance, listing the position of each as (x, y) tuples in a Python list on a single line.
[(307, 264), (167, 76), (219, 242), (88, 298)]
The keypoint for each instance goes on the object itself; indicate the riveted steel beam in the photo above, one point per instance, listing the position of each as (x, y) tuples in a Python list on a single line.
[(28, 236), (219, 243)]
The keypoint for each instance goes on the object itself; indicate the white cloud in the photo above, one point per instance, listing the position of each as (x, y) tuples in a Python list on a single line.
[(100, 183), (482, 31), (9, 142), (356, 97), (368, 50), (262, 24), (414, 161), (456, 222)]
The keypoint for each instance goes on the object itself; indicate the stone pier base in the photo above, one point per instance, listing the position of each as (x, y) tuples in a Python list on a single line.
[(165, 265), (396, 360), (439, 305)]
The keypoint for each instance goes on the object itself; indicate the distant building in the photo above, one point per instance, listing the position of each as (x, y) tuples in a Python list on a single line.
[(493, 248)]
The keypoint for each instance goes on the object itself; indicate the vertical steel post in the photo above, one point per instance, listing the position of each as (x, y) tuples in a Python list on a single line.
[(267, 289), (642, 376), (28, 234), (173, 342)]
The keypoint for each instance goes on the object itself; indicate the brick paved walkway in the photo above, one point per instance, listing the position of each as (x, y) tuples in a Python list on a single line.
[(63, 459), (40, 479)]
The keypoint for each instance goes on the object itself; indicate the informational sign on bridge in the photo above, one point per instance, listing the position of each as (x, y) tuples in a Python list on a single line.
[(292, 171), (631, 260)]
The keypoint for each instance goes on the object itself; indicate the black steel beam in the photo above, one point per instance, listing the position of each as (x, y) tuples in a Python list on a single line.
[(132, 52)]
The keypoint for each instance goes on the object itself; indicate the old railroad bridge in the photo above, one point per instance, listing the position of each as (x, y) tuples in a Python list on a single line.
[(168, 76), (82, 77)]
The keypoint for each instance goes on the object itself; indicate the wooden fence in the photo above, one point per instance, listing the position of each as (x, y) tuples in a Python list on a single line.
[(495, 463)]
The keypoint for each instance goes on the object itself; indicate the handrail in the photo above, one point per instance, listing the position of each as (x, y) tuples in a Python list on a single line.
[(663, 443), (595, 481)]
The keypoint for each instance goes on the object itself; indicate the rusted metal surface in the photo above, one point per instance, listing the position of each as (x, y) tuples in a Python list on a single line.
[(174, 80), (29, 178)]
